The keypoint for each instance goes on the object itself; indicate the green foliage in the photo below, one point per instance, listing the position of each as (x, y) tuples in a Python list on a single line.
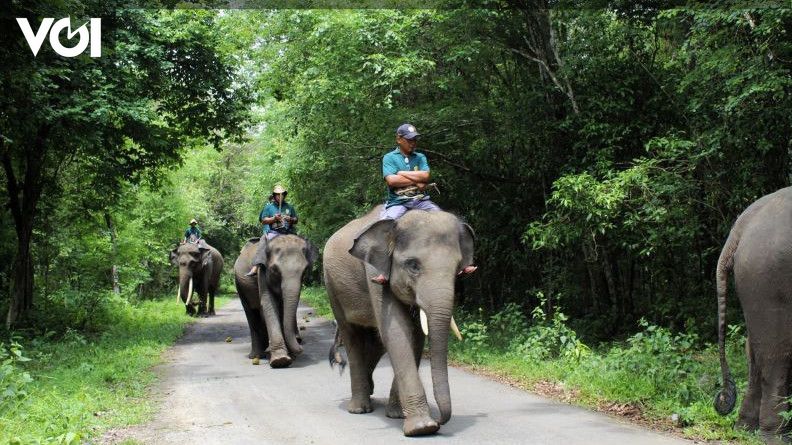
[(14, 381), (658, 372), (84, 383)]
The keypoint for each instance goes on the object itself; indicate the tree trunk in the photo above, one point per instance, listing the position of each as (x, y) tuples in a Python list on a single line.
[(23, 199), (114, 243), (22, 296)]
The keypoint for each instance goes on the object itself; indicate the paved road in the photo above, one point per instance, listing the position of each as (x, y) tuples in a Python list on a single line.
[(212, 394)]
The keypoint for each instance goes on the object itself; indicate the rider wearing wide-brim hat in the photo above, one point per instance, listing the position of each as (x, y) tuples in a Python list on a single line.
[(193, 231), (278, 217)]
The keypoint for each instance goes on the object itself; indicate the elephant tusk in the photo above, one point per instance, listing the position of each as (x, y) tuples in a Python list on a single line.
[(189, 294), (455, 329), (178, 293), (424, 322)]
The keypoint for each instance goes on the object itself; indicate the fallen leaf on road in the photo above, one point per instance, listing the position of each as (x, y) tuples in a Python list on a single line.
[(228, 339)]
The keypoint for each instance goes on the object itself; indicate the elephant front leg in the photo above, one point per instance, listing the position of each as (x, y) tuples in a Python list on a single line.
[(395, 410), (396, 329), (279, 355), (211, 303)]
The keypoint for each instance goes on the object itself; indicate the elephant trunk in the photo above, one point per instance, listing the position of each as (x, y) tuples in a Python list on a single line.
[(439, 321), (291, 297)]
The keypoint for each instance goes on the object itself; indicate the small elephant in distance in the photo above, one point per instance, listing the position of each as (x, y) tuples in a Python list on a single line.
[(200, 266)]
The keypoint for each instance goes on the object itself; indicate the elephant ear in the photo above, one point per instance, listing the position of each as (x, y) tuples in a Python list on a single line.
[(466, 238), (374, 246), (174, 255), (311, 253)]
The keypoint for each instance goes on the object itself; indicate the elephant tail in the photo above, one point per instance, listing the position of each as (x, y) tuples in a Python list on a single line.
[(337, 355), (727, 396)]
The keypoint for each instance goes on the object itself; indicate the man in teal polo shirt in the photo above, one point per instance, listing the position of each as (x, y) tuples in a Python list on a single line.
[(278, 217), (406, 174), (403, 168), (192, 231)]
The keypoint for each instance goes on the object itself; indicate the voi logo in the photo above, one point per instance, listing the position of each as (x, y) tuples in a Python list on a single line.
[(92, 36)]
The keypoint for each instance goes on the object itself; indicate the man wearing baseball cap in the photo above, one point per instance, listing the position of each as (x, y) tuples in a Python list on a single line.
[(406, 174)]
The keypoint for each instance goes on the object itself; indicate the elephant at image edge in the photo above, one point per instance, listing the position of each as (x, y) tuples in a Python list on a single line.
[(759, 252), (420, 254), (272, 313), (200, 266)]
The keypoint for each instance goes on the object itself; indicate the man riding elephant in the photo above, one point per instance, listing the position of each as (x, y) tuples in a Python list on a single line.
[(278, 217), (406, 173), (193, 233)]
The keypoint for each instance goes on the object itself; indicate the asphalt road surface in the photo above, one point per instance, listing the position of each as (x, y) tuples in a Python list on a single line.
[(211, 394)]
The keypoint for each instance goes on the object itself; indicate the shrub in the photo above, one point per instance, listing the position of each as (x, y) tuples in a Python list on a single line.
[(13, 380)]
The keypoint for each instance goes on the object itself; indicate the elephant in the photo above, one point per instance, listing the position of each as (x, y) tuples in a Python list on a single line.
[(270, 298), (759, 253), (200, 266), (420, 254)]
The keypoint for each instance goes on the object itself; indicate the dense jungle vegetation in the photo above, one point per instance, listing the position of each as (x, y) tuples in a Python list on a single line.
[(601, 151)]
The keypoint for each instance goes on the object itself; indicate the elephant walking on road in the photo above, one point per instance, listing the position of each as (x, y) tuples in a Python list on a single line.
[(420, 255), (200, 266), (271, 297), (759, 252)]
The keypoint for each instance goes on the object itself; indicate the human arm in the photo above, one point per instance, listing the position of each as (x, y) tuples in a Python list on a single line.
[(415, 176)]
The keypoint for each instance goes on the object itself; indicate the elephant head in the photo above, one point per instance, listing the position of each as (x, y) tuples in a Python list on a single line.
[(287, 259), (420, 254), (191, 258)]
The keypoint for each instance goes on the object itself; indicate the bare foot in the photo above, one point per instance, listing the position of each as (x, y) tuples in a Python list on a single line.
[(380, 279), (468, 270)]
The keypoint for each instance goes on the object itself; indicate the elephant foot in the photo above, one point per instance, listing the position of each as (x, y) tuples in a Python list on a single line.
[(395, 411), (747, 423), (420, 425), (296, 351), (212, 312), (279, 359), (360, 406)]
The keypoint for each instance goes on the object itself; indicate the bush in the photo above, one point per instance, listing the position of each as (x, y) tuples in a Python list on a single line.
[(666, 360), (13, 380)]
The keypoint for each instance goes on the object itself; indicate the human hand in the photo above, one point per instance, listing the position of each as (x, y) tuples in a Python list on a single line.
[(278, 217)]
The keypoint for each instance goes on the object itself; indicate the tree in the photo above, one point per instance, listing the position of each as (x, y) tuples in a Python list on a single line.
[(160, 85)]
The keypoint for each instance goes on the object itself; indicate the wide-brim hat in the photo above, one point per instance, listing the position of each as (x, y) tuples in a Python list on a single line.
[(278, 189), (193, 221)]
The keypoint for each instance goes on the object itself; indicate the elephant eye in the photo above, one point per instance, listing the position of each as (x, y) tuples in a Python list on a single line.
[(412, 265)]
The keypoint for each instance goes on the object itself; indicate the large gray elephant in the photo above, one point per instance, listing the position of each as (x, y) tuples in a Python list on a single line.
[(420, 254), (270, 299), (200, 266), (759, 252)]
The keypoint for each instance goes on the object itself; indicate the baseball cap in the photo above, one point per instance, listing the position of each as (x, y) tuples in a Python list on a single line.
[(407, 131)]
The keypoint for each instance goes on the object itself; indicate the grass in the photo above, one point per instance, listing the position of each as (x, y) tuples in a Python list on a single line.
[(657, 378), (85, 384)]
